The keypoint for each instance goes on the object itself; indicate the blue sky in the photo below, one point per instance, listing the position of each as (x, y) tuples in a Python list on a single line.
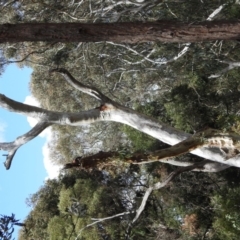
[(27, 172)]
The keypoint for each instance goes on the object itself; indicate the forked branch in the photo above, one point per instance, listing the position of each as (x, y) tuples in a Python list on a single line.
[(12, 147), (229, 143), (92, 91), (231, 65), (148, 192), (160, 185), (214, 145)]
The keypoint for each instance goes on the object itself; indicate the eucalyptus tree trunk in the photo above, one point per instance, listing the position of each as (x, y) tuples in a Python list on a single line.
[(127, 32), (221, 148)]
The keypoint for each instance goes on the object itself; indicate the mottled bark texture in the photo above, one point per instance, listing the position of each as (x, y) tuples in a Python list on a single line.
[(128, 32)]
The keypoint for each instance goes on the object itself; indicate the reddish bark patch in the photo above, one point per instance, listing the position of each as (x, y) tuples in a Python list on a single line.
[(90, 162), (190, 224), (103, 107)]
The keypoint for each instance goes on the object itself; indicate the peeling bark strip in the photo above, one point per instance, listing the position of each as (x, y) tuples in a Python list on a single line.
[(92, 161), (128, 32), (101, 159)]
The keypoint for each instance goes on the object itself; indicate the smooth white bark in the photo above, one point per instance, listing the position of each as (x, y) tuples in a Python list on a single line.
[(98, 220), (231, 65), (112, 111), (12, 147), (208, 167)]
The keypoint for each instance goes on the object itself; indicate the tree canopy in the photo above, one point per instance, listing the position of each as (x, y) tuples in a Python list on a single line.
[(137, 180)]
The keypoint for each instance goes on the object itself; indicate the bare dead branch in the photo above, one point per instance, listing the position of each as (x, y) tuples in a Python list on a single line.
[(92, 91), (43, 115), (98, 220), (185, 146), (215, 12), (24, 58), (7, 4), (208, 167), (230, 66), (160, 185), (102, 159), (134, 10), (12, 147), (17, 107)]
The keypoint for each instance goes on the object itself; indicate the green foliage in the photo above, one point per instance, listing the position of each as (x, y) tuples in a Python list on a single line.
[(85, 191), (178, 93), (199, 103), (233, 11), (44, 204), (10, 52), (186, 111), (56, 228), (7, 224), (78, 197), (227, 219), (141, 141)]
